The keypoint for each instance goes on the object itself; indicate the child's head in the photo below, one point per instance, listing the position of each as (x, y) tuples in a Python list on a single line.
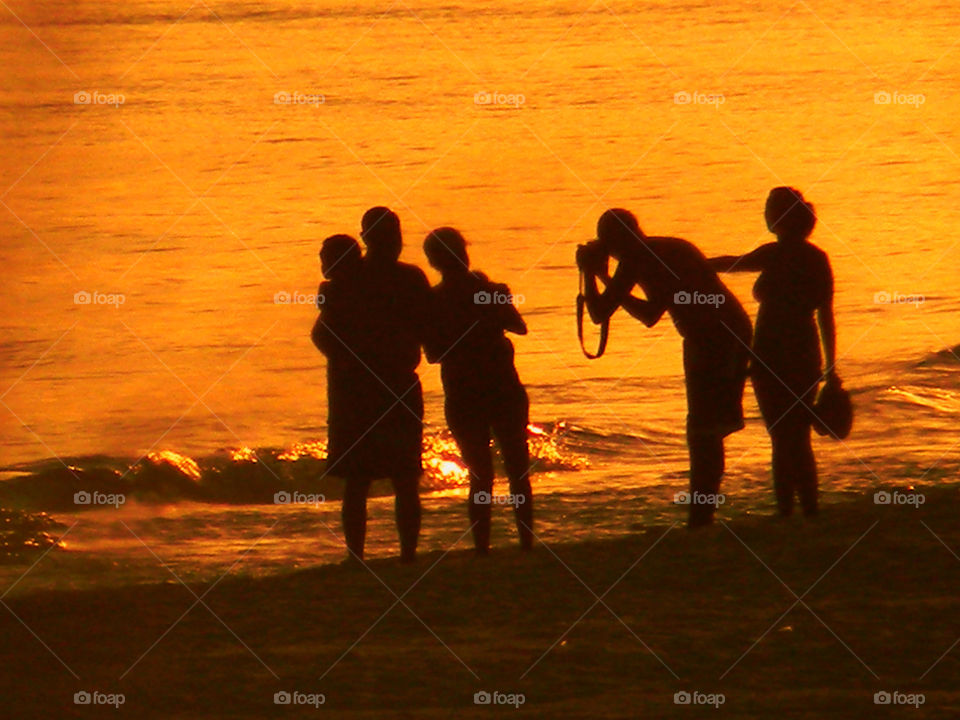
[(446, 250), (339, 254)]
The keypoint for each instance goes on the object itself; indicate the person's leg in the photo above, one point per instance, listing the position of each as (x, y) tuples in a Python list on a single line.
[(471, 431), (794, 466), (510, 429), (401, 438), (408, 511), (354, 515), (704, 427), (782, 443), (806, 472), (787, 423), (706, 471), (475, 449)]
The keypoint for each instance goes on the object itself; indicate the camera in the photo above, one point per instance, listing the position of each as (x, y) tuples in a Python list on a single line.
[(592, 257)]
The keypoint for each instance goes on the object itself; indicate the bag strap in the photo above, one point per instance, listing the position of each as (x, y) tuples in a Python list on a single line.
[(604, 327)]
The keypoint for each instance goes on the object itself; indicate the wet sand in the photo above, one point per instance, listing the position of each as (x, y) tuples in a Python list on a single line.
[(710, 612)]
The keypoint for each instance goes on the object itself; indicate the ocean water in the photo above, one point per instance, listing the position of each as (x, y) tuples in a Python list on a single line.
[(159, 196)]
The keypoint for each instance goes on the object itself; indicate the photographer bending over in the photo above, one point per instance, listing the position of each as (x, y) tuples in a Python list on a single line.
[(675, 277)]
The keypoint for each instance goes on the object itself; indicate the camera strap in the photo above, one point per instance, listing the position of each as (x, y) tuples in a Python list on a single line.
[(604, 326)]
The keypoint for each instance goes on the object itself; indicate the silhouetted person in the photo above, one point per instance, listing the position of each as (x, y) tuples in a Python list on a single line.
[(395, 301), (483, 392), (795, 283), (340, 333), (676, 278)]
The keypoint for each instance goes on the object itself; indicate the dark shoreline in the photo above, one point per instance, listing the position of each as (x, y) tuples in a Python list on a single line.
[(885, 603)]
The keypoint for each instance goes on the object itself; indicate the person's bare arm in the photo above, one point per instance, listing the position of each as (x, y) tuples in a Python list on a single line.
[(828, 334), (602, 305), (751, 262), (828, 328), (509, 317), (647, 312), (513, 321), (320, 336)]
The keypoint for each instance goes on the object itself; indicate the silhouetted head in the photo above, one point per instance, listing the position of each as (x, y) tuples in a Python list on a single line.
[(380, 230), (339, 255), (618, 231), (446, 250), (788, 215)]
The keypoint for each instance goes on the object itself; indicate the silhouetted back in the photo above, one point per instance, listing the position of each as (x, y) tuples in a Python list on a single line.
[(470, 314), (396, 298), (340, 331), (676, 274)]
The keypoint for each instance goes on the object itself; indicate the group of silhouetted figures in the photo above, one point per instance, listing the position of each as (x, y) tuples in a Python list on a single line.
[(377, 313)]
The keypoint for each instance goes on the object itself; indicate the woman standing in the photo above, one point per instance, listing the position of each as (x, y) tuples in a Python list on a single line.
[(484, 395), (795, 292)]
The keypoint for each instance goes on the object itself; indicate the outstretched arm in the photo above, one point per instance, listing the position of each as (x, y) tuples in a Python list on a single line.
[(751, 262)]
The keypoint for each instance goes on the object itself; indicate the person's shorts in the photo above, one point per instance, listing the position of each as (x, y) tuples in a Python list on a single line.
[(716, 373), (377, 430)]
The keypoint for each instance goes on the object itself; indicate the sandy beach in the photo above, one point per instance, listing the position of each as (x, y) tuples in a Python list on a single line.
[(754, 618)]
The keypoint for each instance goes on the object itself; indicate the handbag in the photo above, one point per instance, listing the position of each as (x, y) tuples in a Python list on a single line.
[(833, 411)]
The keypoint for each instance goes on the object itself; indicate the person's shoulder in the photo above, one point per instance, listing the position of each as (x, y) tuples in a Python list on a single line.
[(815, 258), (765, 251), (817, 252), (325, 290), (676, 249), (664, 241), (412, 274), (674, 244), (820, 261), (484, 280)]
